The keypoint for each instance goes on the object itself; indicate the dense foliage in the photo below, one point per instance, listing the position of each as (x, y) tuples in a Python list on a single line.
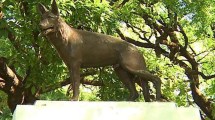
[(175, 36)]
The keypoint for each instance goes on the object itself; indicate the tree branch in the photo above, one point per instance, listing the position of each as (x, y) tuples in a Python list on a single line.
[(206, 77), (137, 43), (123, 3), (8, 77), (67, 82), (140, 44), (185, 36), (136, 32)]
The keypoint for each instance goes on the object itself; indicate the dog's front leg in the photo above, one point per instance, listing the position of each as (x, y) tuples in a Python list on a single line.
[(75, 79)]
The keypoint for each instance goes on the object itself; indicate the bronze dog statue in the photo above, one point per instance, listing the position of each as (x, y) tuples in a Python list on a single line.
[(83, 49)]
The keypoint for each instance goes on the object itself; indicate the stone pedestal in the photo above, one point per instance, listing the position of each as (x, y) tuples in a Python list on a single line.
[(69, 110)]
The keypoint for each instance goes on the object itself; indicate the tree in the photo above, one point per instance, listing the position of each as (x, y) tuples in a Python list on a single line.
[(180, 35)]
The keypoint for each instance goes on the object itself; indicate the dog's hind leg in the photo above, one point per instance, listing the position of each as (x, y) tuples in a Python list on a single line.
[(145, 88), (148, 77), (133, 62), (126, 79)]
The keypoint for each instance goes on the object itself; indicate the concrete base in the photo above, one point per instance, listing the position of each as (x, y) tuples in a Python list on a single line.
[(68, 110)]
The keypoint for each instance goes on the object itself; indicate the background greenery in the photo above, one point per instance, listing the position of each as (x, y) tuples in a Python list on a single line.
[(167, 32)]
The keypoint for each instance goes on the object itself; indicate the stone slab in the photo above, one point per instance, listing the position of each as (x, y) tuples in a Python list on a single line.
[(105, 104), (67, 110)]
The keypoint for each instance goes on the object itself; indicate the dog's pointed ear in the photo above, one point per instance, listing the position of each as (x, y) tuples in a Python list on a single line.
[(42, 9), (54, 8)]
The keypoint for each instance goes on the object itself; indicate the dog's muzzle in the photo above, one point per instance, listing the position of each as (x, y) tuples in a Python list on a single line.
[(47, 30)]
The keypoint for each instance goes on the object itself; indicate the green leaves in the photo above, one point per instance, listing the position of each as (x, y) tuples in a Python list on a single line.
[(21, 44), (5, 112)]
